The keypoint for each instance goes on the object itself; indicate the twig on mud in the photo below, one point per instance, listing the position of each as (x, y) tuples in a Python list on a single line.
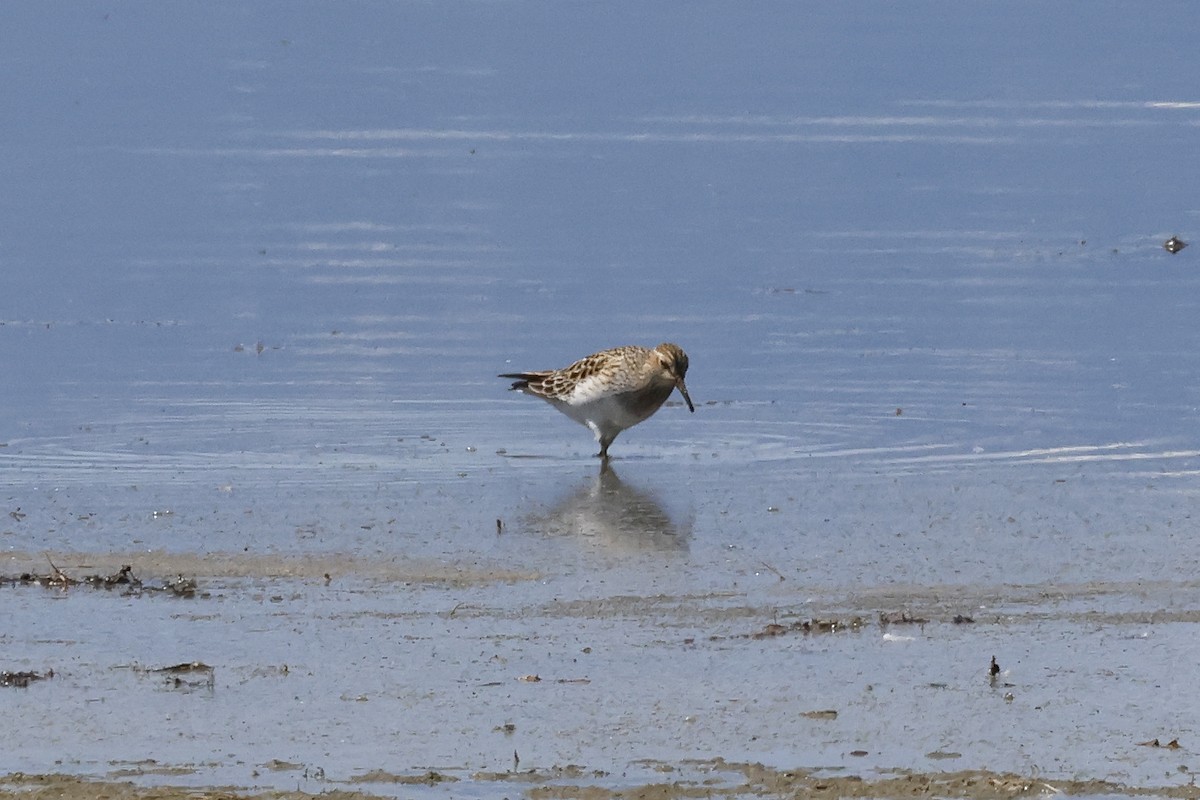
[(772, 569), (58, 577)]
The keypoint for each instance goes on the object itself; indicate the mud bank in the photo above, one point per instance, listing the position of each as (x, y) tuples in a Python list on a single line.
[(724, 780)]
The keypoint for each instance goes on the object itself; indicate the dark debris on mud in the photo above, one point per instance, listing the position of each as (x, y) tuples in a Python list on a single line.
[(188, 675), (1171, 745), (900, 618), (817, 626), (123, 581), (808, 626), (21, 680)]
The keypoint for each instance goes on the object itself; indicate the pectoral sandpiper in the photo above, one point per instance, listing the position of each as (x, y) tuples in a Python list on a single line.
[(611, 390)]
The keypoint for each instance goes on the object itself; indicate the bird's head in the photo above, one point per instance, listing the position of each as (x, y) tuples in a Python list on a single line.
[(674, 363)]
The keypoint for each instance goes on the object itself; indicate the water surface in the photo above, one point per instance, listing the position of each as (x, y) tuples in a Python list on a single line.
[(260, 265)]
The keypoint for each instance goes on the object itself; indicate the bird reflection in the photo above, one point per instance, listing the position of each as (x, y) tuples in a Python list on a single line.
[(615, 515)]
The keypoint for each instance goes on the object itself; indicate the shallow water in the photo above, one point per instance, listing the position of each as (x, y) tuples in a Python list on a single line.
[(261, 264)]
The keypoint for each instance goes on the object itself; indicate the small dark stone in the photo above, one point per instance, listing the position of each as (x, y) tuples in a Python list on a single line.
[(1174, 244)]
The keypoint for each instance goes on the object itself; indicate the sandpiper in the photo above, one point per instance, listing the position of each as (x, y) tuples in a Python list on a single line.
[(611, 390)]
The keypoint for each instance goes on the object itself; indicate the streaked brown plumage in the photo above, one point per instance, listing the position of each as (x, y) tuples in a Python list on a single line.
[(611, 390)]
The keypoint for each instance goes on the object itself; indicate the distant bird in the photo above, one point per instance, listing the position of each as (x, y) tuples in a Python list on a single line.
[(611, 390)]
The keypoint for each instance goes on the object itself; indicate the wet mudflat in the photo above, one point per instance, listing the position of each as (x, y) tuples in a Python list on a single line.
[(581, 653), (270, 526)]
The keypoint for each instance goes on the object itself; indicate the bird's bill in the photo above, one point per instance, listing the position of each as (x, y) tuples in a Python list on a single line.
[(683, 391)]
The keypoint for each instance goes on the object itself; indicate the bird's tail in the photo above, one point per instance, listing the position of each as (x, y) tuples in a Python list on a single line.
[(521, 380)]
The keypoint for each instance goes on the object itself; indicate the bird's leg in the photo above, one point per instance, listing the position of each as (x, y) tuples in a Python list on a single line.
[(605, 441)]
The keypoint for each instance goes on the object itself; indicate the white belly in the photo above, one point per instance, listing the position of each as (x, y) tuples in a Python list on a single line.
[(602, 415)]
